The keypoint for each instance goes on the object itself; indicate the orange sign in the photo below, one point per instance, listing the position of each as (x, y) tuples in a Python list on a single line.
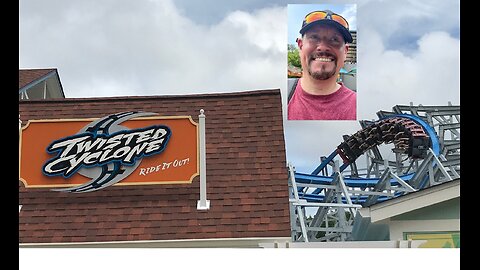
[(128, 148)]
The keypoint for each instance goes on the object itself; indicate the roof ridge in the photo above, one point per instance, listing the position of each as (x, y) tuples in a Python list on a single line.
[(203, 95), (38, 68), (27, 77)]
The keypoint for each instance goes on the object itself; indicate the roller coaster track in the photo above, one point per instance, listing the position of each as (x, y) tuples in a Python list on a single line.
[(425, 141)]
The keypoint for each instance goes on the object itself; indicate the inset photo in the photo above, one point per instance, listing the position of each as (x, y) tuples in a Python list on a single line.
[(322, 62)]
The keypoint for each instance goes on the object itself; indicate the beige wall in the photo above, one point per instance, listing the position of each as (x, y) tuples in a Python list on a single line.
[(398, 227)]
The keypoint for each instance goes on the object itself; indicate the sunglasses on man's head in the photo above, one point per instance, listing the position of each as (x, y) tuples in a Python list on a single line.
[(322, 15)]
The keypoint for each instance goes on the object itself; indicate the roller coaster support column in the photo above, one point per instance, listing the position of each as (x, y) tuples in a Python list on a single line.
[(298, 208), (440, 166), (427, 171), (342, 188)]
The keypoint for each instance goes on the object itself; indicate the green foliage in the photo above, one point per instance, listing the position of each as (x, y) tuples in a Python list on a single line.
[(293, 56)]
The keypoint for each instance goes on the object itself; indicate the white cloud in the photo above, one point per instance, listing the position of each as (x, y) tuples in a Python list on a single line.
[(429, 76), (402, 22), (350, 15), (152, 48), (262, 28)]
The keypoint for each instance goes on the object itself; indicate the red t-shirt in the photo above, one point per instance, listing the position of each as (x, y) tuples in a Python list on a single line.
[(340, 105)]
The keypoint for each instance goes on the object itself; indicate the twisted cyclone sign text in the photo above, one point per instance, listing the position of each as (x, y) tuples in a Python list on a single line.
[(82, 155), (87, 149)]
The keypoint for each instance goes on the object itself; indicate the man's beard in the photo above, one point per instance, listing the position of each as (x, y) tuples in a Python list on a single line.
[(322, 74)]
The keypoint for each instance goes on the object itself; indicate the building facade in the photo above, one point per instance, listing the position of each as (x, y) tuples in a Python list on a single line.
[(246, 180)]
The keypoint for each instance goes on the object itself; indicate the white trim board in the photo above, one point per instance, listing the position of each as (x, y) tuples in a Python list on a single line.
[(412, 201)]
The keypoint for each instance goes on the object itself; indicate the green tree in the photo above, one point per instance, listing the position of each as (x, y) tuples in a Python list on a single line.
[(293, 56)]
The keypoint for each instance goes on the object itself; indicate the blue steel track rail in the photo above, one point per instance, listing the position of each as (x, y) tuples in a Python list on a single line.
[(363, 182)]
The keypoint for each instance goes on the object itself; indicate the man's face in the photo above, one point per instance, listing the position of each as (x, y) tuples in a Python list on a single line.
[(322, 51)]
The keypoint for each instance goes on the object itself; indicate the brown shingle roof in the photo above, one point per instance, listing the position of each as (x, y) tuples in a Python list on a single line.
[(26, 76), (246, 177)]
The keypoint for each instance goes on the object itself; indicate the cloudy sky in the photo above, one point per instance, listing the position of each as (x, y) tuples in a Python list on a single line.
[(408, 51)]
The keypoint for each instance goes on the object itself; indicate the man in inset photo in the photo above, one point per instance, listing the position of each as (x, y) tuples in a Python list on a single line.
[(319, 93)]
